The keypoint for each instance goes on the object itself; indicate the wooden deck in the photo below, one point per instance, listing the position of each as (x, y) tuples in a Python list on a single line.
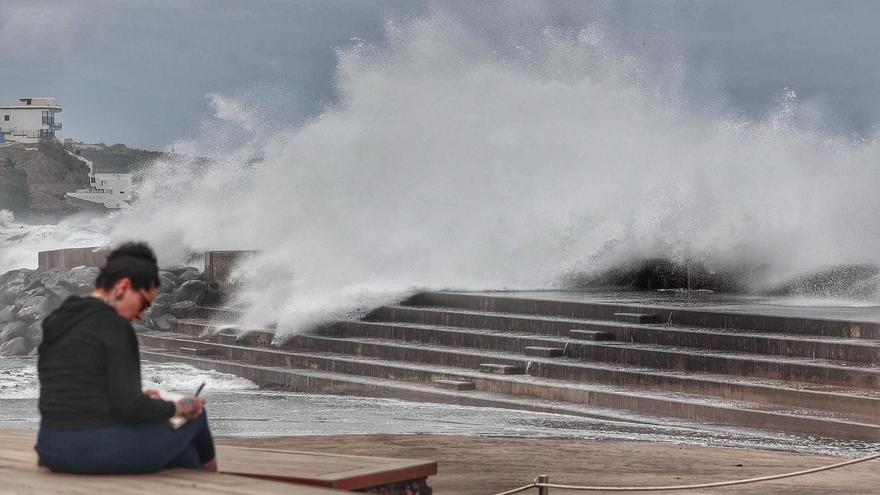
[(243, 470)]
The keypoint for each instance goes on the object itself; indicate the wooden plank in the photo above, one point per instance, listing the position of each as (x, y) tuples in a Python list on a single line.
[(30, 479), (330, 470), (347, 472), (19, 474)]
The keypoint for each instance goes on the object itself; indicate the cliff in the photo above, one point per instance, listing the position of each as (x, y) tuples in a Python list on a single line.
[(35, 177)]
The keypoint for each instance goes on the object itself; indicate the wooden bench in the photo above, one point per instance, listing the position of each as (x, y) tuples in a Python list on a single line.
[(243, 470), (347, 472)]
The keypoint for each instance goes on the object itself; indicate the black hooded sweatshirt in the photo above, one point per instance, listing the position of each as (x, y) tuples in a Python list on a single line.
[(90, 371)]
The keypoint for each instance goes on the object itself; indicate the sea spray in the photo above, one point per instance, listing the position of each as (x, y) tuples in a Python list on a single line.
[(20, 242), (447, 163)]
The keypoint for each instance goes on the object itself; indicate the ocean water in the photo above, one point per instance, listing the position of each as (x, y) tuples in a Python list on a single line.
[(237, 407), (20, 242)]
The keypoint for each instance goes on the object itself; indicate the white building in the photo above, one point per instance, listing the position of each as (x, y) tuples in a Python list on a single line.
[(106, 190), (32, 120)]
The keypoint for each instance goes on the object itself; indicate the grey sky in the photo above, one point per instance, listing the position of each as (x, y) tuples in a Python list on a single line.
[(138, 71)]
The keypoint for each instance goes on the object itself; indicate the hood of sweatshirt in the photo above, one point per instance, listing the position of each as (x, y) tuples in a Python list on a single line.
[(72, 311)]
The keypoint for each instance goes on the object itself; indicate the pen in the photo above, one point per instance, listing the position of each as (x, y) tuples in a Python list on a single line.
[(199, 390)]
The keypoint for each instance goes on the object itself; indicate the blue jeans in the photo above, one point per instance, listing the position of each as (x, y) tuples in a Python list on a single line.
[(127, 448)]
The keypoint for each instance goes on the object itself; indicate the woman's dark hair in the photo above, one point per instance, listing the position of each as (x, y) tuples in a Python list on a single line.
[(133, 260)]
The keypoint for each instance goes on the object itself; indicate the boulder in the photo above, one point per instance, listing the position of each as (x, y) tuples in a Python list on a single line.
[(13, 330), (12, 284), (42, 277), (179, 270), (213, 294), (164, 300), (168, 281), (14, 276), (58, 294), (34, 333), (163, 322), (183, 309), (27, 295), (7, 314), (153, 313), (15, 347), (80, 280), (34, 309), (192, 290), (190, 274)]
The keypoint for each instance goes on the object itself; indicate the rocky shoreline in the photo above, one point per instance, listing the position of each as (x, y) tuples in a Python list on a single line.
[(27, 296)]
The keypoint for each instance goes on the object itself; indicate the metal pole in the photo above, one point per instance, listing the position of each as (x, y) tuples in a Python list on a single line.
[(543, 490)]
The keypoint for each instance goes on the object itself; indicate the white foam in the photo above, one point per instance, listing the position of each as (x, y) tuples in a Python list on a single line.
[(183, 378), (18, 379), (20, 243)]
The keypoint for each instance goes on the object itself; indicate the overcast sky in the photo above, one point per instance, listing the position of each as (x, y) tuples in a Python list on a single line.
[(138, 71)]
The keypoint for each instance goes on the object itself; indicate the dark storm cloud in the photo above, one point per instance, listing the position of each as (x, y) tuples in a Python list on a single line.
[(137, 72)]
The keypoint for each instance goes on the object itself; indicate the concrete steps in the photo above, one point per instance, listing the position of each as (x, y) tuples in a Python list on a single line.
[(686, 407), (778, 367), (471, 349), (790, 374), (855, 350), (700, 318)]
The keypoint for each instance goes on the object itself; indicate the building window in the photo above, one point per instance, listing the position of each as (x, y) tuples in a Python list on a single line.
[(6, 118)]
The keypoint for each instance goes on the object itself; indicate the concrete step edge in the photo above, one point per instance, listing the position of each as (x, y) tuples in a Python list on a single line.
[(872, 430), (767, 358), (852, 341), (467, 374), (771, 385)]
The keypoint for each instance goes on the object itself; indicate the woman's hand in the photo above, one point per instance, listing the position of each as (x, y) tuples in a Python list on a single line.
[(189, 407), (153, 394)]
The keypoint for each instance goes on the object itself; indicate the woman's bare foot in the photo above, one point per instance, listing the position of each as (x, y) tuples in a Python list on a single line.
[(210, 466)]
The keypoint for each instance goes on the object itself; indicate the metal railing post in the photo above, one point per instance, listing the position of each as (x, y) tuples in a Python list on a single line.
[(543, 490)]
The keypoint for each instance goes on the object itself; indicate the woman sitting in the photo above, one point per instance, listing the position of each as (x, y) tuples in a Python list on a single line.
[(95, 417)]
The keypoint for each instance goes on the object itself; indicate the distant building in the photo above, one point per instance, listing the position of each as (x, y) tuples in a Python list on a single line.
[(79, 145), (32, 120), (107, 189)]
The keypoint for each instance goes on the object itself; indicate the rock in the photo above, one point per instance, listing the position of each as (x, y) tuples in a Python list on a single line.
[(6, 314), (190, 274), (12, 284), (163, 322), (14, 276), (168, 281), (13, 330), (183, 309), (15, 347), (164, 300), (27, 295), (58, 294), (80, 280), (42, 277), (213, 295), (34, 309), (192, 290), (34, 333), (177, 271)]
